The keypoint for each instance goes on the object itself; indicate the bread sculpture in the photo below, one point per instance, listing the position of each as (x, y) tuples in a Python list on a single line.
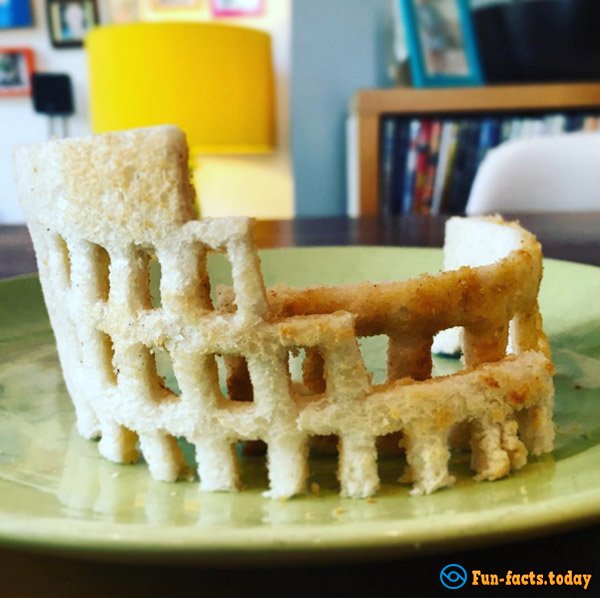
[(97, 208)]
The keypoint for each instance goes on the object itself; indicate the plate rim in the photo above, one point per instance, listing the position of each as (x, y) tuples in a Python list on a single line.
[(262, 545)]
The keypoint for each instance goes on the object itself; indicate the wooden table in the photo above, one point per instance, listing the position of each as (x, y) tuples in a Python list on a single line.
[(573, 237)]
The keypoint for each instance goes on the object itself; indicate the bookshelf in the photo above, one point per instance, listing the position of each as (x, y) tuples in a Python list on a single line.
[(369, 107)]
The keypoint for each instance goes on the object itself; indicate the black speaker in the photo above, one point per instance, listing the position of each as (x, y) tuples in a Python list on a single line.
[(52, 94)]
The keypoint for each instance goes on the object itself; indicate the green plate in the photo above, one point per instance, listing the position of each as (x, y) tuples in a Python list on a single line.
[(57, 494)]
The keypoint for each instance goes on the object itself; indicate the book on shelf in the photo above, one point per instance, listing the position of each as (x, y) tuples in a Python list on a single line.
[(428, 165), (424, 206)]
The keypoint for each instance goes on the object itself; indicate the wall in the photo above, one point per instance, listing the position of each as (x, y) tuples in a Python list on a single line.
[(261, 185), (18, 123), (338, 46)]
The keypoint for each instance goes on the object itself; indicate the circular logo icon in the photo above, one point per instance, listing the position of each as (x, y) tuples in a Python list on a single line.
[(453, 576)]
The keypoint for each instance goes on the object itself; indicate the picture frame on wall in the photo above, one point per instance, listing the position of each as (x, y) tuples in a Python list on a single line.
[(441, 43), (70, 20), (176, 4), (123, 11), (237, 8), (16, 68), (15, 14)]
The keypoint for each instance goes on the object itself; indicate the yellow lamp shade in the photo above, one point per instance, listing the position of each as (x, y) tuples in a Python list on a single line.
[(214, 81)]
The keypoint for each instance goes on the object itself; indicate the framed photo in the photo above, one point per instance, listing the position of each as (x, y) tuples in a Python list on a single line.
[(237, 8), (70, 20), (15, 13), (16, 68), (176, 4), (441, 43), (123, 11)]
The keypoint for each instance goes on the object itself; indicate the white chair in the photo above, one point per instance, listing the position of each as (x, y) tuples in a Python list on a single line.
[(557, 173)]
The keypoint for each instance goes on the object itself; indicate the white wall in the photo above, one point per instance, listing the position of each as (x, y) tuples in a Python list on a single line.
[(258, 186), (18, 122)]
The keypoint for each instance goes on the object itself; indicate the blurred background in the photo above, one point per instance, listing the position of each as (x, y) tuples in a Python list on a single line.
[(323, 51)]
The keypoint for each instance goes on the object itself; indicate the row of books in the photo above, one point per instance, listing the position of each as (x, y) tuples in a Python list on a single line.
[(427, 165)]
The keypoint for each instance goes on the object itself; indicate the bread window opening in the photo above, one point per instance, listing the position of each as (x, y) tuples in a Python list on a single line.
[(101, 265), (65, 258), (307, 370), (391, 458), (107, 351), (234, 378), (145, 284), (296, 357), (220, 282), (154, 276), (324, 464), (374, 350), (253, 459), (167, 381), (446, 365), (202, 287)]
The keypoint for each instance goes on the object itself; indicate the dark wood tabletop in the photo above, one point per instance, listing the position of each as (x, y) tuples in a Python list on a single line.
[(574, 237)]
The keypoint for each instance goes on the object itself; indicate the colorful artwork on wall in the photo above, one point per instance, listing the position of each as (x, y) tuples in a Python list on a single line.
[(176, 4), (16, 67), (237, 8), (15, 13)]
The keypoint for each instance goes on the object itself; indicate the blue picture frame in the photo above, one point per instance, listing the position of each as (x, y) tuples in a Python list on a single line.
[(15, 14), (441, 43)]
